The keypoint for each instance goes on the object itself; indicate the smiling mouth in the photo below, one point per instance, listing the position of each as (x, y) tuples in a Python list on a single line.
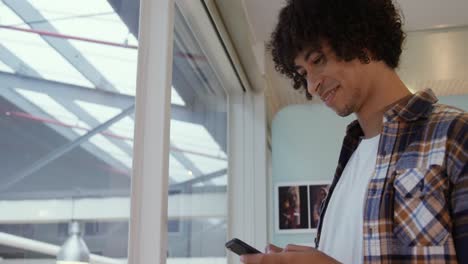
[(328, 96)]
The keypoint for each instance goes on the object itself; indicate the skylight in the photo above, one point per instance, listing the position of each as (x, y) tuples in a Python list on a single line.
[(67, 7), (207, 165), (102, 113), (9, 18), (50, 106), (5, 68), (111, 149), (37, 54), (194, 137), (97, 22), (122, 128), (178, 172), (118, 65), (100, 26)]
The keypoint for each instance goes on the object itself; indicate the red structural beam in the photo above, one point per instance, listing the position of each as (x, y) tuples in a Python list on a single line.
[(64, 36)]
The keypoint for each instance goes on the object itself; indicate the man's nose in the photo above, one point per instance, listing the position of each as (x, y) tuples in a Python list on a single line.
[(313, 86)]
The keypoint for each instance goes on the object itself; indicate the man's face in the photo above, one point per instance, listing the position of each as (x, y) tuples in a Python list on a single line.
[(339, 84)]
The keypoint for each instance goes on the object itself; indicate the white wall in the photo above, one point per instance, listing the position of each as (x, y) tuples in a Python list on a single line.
[(306, 140)]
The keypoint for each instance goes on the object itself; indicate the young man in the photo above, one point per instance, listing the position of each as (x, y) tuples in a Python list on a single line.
[(400, 192)]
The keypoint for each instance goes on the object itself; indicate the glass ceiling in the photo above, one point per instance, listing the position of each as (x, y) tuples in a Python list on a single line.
[(50, 106), (5, 68), (116, 64), (33, 51), (107, 45)]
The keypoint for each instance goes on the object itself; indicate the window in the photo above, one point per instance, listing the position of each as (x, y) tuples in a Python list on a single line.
[(198, 161), (68, 71)]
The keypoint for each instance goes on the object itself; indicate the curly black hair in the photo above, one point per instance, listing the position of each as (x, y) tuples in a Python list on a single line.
[(350, 27)]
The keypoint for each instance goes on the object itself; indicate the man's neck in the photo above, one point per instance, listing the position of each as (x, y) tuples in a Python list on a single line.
[(385, 91)]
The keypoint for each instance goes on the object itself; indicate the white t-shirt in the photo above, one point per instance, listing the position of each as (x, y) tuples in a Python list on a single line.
[(342, 233)]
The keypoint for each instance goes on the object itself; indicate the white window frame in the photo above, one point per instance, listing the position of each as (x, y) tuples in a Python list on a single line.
[(247, 147), (247, 195), (149, 197)]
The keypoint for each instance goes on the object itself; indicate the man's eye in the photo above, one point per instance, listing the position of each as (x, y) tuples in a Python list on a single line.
[(317, 60)]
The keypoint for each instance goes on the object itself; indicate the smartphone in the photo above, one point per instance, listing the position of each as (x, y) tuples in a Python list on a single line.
[(240, 247)]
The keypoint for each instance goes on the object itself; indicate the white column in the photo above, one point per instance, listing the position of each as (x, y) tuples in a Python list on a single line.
[(148, 229)]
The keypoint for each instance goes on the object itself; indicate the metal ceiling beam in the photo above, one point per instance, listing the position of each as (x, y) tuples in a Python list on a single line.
[(22, 68), (27, 12), (129, 12), (186, 162), (188, 72), (93, 122), (59, 90), (64, 90), (183, 77), (66, 95), (14, 97), (203, 178), (66, 103), (63, 150), (186, 94), (16, 64)]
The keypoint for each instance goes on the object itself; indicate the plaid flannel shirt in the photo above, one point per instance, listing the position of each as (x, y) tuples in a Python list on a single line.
[(416, 210)]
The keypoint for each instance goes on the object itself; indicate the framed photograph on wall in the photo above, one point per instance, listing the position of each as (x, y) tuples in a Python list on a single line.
[(296, 206), (292, 208), (317, 194)]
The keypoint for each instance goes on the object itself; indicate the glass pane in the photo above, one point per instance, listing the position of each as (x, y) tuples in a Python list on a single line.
[(198, 159), (98, 15), (5, 68), (114, 61), (32, 50), (66, 139), (116, 64)]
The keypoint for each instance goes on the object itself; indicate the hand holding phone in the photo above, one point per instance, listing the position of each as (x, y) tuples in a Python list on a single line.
[(240, 247)]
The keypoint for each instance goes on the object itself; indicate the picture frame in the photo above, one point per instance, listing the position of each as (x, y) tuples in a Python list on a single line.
[(317, 194), (296, 206)]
